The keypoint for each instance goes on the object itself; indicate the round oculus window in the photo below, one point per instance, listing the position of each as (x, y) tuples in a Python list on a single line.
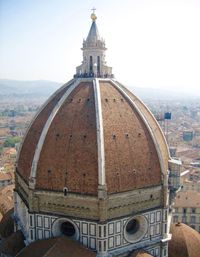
[(135, 229), (65, 227), (132, 226)]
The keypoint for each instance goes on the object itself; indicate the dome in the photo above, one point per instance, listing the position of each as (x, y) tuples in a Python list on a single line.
[(7, 224), (93, 165), (12, 244), (185, 241), (140, 253), (6, 199), (91, 133), (59, 247)]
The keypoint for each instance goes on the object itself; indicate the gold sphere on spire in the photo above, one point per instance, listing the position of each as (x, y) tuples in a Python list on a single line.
[(93, 16)]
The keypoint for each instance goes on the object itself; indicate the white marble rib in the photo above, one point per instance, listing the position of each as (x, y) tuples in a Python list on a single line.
[(100, 136)]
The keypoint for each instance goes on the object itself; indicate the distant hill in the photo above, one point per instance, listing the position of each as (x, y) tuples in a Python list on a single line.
[(40, 88), (44, 88)]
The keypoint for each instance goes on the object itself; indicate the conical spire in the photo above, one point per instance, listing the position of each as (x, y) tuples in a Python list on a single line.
[(93, 35), (93, 64)]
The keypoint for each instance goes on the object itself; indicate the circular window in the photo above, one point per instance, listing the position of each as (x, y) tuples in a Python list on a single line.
[(132, 226), (135, 229), (65, 227)]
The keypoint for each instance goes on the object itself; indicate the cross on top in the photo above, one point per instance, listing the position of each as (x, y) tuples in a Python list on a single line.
[(93, 9)]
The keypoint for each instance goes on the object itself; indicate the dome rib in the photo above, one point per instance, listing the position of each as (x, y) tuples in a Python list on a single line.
[(100, 134), (32, 180)]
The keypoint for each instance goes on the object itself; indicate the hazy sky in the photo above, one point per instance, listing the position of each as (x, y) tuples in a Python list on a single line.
[(150, 43)]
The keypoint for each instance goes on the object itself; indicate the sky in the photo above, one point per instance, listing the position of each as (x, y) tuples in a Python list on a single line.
[(151, 43)]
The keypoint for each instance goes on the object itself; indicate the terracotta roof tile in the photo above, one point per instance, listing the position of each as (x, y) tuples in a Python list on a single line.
[(5, 176), (131, 160), (7, 224), (187, 199), (12, 244), (6, 199), (69, 154), (153, 124), (7, 190)]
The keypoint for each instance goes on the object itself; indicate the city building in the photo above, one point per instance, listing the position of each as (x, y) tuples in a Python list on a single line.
[(5, 179), (6, 199), (191, 182), (187, 209), (175, 174)]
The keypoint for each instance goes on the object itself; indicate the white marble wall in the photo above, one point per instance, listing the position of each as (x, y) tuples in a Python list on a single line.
[(102, 237), (108, 237), (21, 214)]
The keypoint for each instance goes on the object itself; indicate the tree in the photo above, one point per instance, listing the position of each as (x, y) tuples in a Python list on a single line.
[(11, 141)]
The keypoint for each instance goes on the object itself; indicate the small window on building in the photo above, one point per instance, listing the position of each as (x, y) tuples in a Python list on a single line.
[(31, 221), (193, 210), (91, 65), (65, 191), (157, 252), (104, 231), (99, 231), (166, 214), (184, 210), (193, 219), (175, 219), (165, 228), (31, 234), (104, 243), (99, 245), (98, 64)]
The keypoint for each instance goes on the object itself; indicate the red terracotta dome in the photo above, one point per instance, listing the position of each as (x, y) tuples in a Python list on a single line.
[(93, 132), (12, 244), (93, 167), (185, 241), (7, 224)]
